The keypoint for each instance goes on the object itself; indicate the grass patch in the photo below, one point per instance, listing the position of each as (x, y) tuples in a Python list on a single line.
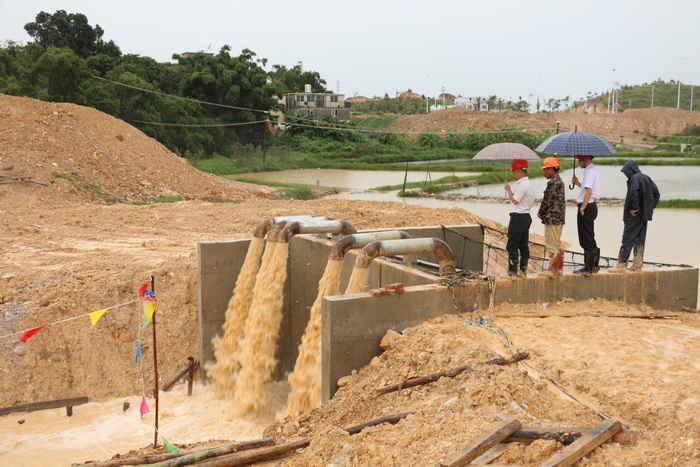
[(302, 192), (679, 203), (167, 199)]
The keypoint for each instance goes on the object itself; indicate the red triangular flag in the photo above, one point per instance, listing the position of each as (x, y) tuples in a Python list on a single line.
[(142, 290), (144, 407), (30, 332)]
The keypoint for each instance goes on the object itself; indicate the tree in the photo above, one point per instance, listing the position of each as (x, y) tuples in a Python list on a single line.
[(285, 80), (70, 30)]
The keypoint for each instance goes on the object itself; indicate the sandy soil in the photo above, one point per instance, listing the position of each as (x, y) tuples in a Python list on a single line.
[(636, 125), (64, 253)]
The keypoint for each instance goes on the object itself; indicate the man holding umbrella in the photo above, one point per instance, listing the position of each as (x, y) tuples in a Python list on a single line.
[(521, 201), (587, 213)]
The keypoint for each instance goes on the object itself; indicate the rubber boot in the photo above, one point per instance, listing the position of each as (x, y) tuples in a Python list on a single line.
[(588, 260), (637, 262), (619, 267), (512, 268), (523, 267), (596, 261)]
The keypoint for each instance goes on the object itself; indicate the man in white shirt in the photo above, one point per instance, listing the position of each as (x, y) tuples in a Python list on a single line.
[(521, 201), (587, 213)]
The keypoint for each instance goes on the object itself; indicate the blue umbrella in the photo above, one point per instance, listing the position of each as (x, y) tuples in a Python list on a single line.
[(576, 142)]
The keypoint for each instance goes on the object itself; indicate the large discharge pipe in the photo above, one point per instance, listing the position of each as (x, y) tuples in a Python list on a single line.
[(399, 247), (359, 240), (314, 227), (266, 224)]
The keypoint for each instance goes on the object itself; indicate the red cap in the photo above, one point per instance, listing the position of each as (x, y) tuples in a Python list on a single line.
[(581, 156), (518, 164)]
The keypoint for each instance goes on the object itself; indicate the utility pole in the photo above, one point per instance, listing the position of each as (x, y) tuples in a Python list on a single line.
[(691, 97), (680, 62), (427, 100)]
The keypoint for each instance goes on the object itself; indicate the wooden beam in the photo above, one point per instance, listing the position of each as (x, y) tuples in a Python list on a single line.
[(33, 407), (482, 444), (566, 435), (584, 445)]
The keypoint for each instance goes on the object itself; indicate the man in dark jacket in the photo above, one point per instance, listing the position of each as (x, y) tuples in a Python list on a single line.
[(642, 198)]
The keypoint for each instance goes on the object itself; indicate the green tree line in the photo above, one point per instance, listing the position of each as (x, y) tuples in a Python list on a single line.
[(68, 61)]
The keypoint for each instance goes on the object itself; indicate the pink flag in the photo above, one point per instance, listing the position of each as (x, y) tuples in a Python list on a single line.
[(144, 407), (30, 332)]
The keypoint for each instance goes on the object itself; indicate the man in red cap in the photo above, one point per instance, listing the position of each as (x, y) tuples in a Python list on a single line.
[(587, 213), (521, 201)]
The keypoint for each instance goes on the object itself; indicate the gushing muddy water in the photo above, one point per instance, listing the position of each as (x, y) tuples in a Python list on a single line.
[(305, 380)]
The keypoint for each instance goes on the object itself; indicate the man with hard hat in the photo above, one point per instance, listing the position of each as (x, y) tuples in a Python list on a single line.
[(552, 213), (587, 213), (521, 201)]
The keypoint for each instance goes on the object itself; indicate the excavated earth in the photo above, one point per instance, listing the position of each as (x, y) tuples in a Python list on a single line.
[(67, 250)]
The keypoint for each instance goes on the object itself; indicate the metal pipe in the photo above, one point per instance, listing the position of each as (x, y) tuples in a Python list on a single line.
[(411, 246), (359, 240), (274, 233), (266, 224), (314, 227)]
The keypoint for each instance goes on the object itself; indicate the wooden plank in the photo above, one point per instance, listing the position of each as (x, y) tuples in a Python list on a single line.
[(482, 444), (490, 455), (45, 405), (566, 435), (584, 445)]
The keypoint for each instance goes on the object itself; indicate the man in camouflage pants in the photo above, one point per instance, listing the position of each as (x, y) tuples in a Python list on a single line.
[(552, 213)]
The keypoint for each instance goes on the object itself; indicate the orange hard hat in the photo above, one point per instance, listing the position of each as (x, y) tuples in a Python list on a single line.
[(518, 164), (550, 162)]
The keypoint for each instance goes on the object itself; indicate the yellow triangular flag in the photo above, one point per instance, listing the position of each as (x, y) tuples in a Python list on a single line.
[(149, 307), (96, 315)]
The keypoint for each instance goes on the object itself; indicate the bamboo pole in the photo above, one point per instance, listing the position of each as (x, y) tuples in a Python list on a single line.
[(155, 366), (159, 458), (449, 373)]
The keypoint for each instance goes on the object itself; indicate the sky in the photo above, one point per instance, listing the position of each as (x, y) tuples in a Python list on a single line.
[(512, 49)]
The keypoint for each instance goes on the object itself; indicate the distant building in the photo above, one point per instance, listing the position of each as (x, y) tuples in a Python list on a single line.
[(317, 104), (471, 103), (189, 54), (408, 95)]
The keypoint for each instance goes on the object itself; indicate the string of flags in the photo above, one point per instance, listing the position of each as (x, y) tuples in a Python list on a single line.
[(149, 300), (148, 297)]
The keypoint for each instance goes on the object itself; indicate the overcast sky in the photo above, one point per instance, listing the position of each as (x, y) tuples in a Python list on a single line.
[(509, 48)]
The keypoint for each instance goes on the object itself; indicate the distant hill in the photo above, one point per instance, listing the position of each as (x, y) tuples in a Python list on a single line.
[(639, 96)]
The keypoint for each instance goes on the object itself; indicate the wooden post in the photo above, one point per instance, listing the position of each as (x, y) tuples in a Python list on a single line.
[(155, 366), (190, 376)]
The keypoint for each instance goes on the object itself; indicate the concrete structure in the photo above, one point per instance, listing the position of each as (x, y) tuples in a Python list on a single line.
[(317, 104), (353, 325)]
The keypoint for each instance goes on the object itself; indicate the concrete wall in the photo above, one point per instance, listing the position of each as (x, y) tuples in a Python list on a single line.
[(220, 263)]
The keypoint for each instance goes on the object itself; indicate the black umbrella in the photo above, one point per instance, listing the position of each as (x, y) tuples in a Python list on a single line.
[(576, 142)]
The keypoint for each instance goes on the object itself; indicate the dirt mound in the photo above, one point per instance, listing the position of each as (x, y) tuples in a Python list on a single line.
[(633, 124), (85, 154), (451, 412)]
